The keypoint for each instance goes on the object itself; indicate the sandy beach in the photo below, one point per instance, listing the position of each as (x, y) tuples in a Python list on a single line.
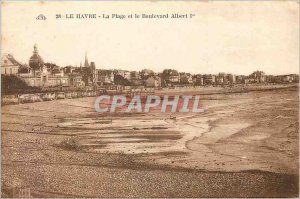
[(242, 145)]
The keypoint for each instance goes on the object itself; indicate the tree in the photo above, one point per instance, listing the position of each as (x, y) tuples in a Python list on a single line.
[(120, 80)]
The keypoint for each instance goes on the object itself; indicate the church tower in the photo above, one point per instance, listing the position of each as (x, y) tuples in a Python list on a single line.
[(86, 62)]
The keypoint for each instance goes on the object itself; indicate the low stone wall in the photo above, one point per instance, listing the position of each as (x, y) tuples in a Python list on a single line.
[(204, 90), (236, 88), (39, 97)]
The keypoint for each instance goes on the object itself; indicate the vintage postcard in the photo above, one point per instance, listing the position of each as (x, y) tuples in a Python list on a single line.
[(171, 99)]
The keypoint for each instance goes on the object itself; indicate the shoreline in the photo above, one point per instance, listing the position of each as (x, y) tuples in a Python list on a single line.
[(204, 91), (138, 151)]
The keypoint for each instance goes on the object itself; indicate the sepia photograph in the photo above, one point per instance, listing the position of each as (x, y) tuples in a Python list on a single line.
[(150, 99)]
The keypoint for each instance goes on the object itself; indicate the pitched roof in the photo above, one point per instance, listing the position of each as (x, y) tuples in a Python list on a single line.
[(8, 59)]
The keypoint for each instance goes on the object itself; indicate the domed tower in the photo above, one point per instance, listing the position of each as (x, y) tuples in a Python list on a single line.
[(36, 62)]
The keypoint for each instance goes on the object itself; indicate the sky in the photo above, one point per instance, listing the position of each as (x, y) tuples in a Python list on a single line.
[(232, 37)]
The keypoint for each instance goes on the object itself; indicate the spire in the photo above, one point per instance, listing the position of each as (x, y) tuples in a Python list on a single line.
[(86, 62), (35, 51), (80, 67)]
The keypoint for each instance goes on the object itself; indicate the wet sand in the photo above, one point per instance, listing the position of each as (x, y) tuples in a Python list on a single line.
[(243, 145)]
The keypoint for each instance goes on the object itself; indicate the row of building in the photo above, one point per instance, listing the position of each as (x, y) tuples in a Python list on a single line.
[(40, 74)]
